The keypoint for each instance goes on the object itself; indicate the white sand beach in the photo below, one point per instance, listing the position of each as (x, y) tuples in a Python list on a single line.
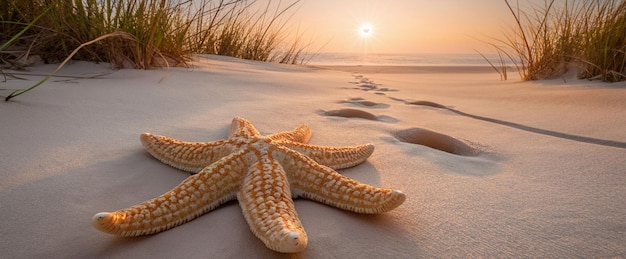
[(514, 169)]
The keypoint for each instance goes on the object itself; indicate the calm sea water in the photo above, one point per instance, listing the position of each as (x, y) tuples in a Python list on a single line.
[(412, 59)]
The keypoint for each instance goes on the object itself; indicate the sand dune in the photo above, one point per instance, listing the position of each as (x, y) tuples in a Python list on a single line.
[(490, 168)]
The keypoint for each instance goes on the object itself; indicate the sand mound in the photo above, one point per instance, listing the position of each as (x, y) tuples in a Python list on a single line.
[(362, 102), (434, 140), (351, 113), (427, 103), (366, 103)]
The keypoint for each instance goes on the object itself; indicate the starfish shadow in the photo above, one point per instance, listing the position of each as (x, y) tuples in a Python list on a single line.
[(387, 229), (365, 172), (117, 245)]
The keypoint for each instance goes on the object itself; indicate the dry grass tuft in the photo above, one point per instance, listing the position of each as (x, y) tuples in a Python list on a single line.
[(162, 32), (548, 39), (143, 33)]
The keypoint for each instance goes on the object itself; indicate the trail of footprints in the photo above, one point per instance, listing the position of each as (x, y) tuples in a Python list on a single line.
[(412, 135), (364, 84)]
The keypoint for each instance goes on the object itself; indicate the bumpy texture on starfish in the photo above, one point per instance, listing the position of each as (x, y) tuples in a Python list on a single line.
[(264, 173)]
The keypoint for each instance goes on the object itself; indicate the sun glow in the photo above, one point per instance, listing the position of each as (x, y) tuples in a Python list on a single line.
[(366, 30)]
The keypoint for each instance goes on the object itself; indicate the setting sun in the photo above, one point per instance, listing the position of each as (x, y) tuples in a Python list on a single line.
[(366, 30)]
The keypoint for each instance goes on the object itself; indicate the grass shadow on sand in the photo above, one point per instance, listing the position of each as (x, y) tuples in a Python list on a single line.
[(590, 140)]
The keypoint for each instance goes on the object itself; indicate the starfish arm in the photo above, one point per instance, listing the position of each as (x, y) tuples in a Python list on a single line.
[(265, 200), (196, 195), (187, 156), (334, 157), (301, 134), (323, 184), (241, 127)]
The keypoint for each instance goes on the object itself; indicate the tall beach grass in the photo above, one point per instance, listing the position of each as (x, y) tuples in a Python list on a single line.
[(546, 41), (144, 33), (159, 32)]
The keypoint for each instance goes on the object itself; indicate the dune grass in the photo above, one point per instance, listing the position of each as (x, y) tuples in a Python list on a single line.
[(603, 53), (145, 33), (162, 32), (546, 41)]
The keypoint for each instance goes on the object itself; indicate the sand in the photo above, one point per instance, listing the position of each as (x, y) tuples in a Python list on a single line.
[(490, 168)]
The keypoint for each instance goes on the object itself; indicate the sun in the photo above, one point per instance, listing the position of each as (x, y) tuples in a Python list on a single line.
[(366, 30)]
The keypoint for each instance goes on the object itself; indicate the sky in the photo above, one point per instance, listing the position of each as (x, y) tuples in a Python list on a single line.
[(401, 26)]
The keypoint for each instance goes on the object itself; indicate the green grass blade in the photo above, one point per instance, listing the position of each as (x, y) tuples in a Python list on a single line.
[(19, 34)]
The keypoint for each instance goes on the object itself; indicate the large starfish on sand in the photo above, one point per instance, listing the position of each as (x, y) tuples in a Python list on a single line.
[(264, 173)]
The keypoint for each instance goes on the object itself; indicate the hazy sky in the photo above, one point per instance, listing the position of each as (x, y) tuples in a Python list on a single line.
[(404, 26)]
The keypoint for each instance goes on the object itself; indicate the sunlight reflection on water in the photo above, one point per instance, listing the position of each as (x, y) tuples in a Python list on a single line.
[(431, 59)]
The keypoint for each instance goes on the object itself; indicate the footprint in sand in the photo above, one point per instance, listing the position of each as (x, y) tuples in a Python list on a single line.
[(364, 103), (427, 103), (417, 136), (435, 140), (420, 103), (356, 113)]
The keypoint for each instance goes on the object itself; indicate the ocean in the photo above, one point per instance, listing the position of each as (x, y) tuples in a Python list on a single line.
[(400, 59)]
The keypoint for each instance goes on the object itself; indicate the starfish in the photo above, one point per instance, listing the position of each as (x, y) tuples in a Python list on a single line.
[(264, 173)]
